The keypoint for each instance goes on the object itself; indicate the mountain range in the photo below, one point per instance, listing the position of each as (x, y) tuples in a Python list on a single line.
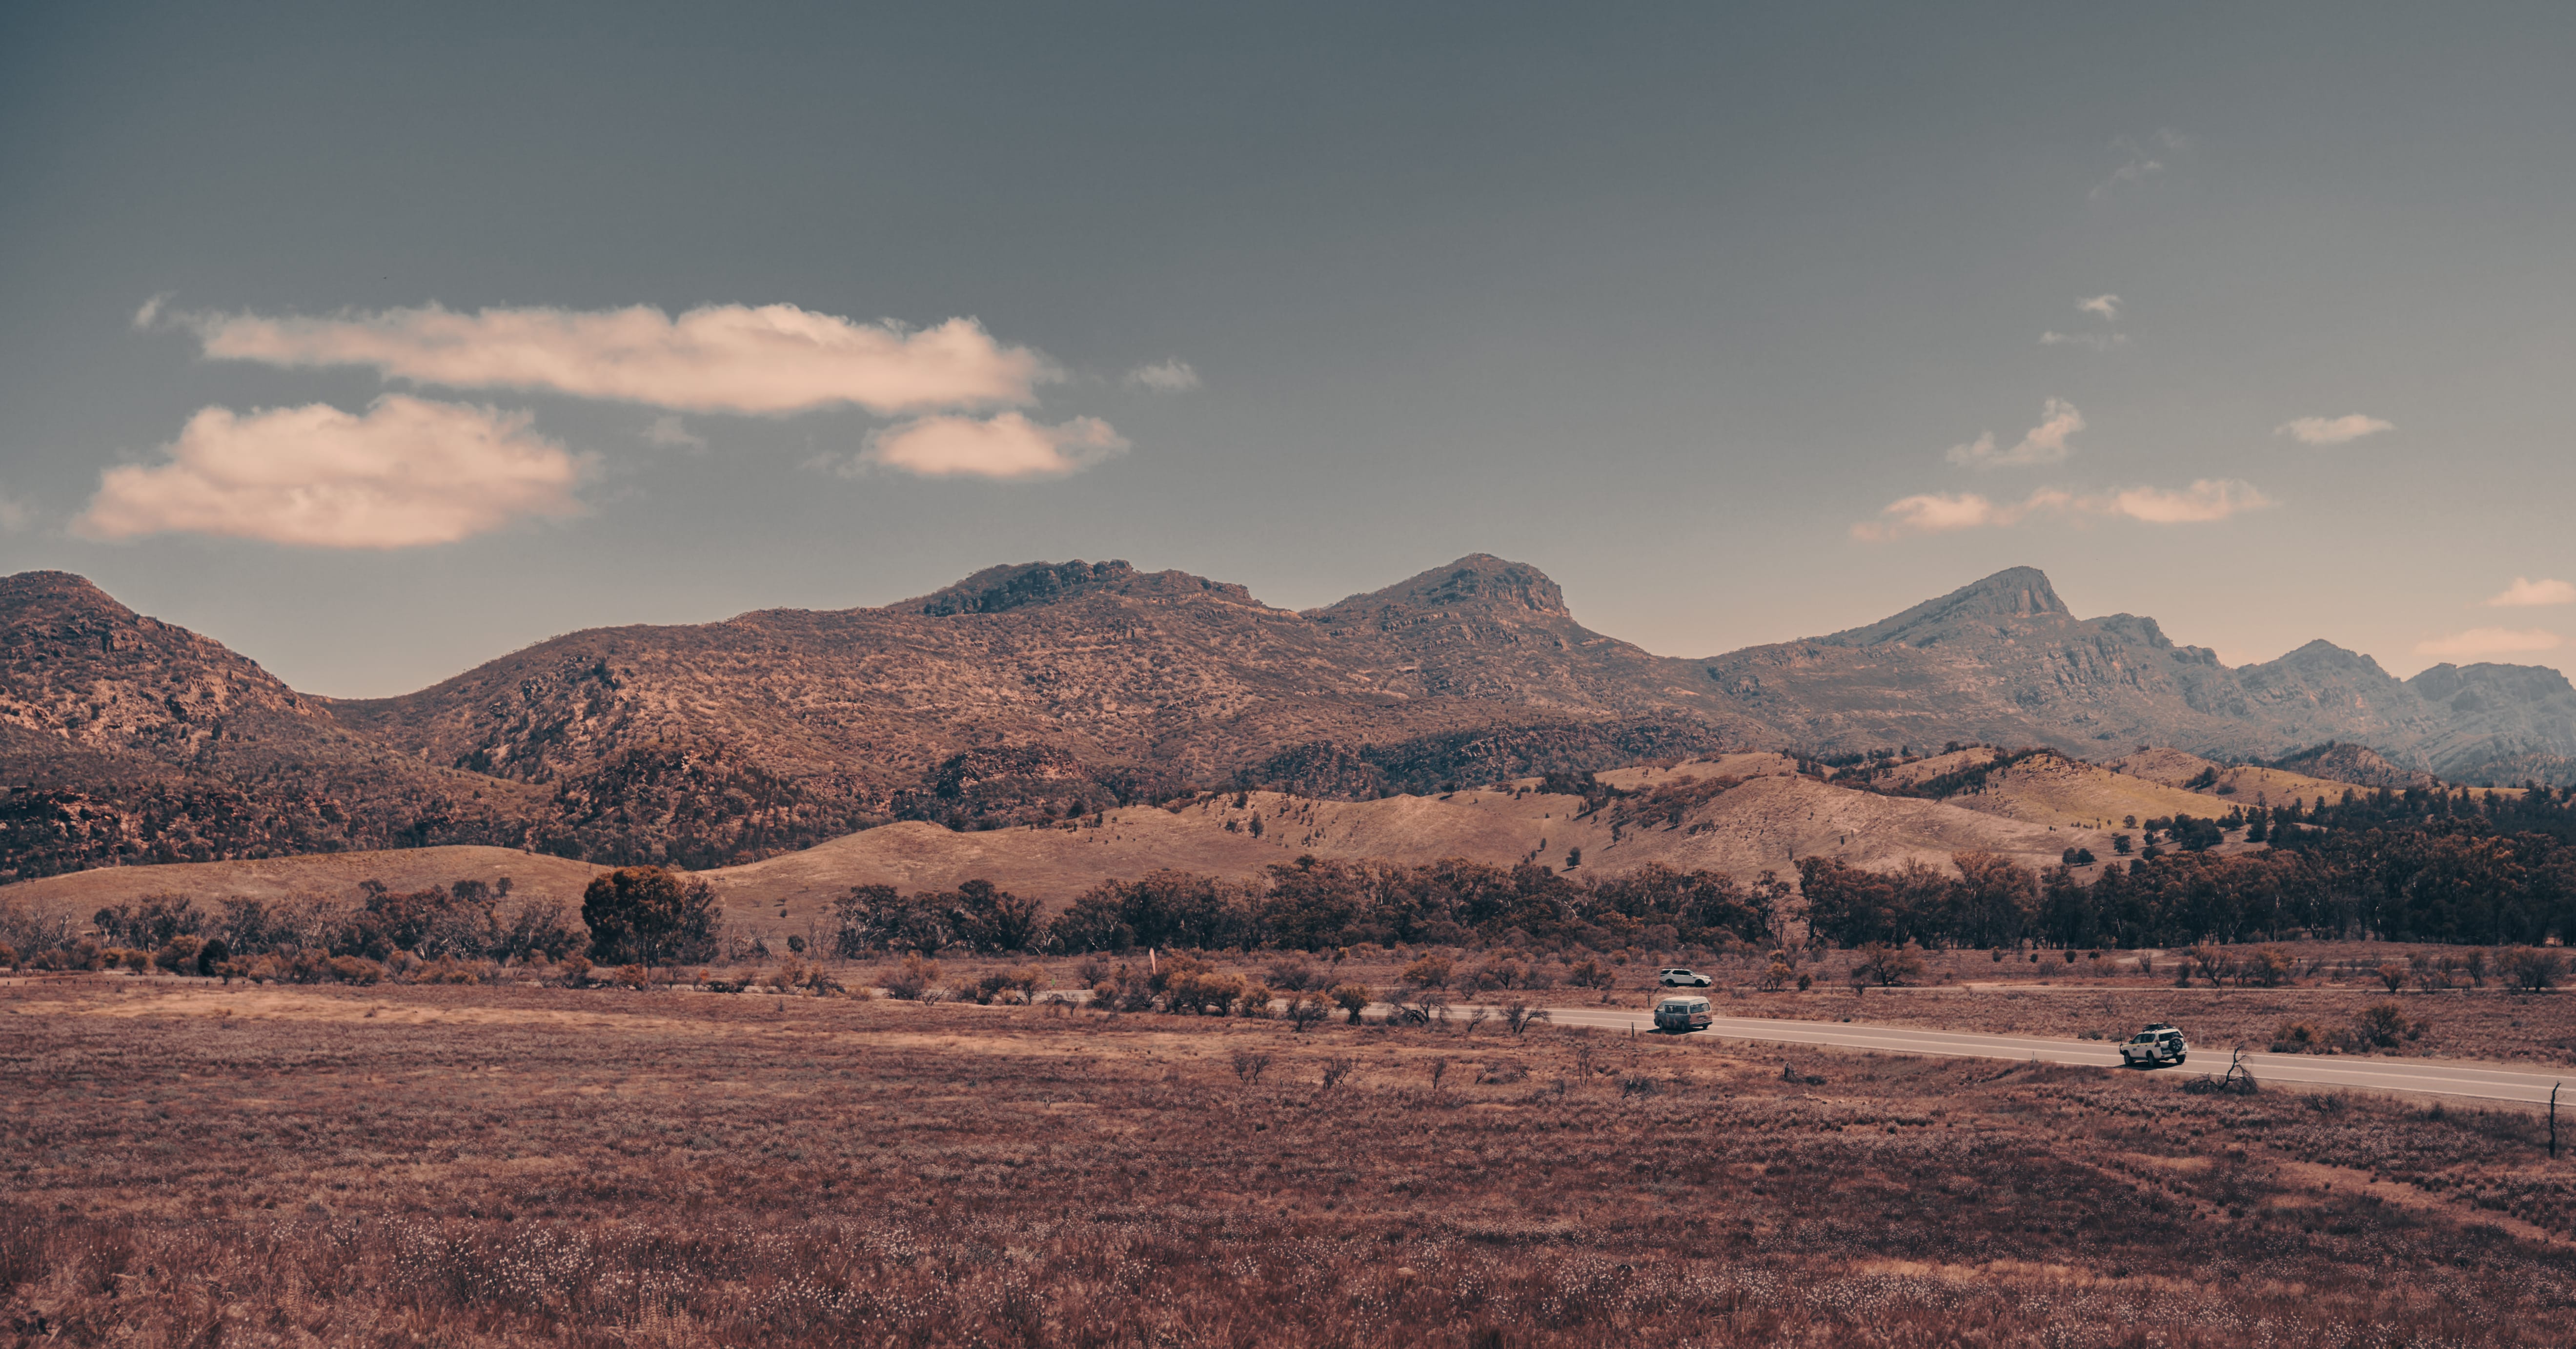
[(1050, 690)]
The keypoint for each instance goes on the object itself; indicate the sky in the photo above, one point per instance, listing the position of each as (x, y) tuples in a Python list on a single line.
[(378, 342)]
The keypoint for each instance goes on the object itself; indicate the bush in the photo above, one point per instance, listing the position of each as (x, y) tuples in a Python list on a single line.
[(2296, 1037), (1352, 998), (179, 955), (1256, 1001), (649, 916), (1591, 973), (2384, 1024), (2535, 969), (1886, 965), (1295, 976), (913, 981), (353, 970), (1431, 971), (1305, 1011)]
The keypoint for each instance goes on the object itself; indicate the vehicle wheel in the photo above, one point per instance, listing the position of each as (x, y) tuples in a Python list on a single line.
[(2180, 1057)]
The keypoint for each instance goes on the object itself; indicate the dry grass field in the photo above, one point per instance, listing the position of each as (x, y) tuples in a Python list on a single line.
[(462, 1165)]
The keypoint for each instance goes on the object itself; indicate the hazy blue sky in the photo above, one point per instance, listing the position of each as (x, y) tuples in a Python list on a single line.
[(1744, 324)]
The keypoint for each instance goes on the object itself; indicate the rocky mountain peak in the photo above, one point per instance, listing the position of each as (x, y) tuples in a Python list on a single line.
[(2015, 594), (1478, 581), (997, 590), (48, 598)]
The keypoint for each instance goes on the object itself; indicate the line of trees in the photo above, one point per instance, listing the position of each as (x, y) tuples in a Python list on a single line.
[(2416, 884), (1313, 904)]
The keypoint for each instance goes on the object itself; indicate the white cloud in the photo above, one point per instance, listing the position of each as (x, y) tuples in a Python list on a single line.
[(669, 432), (2142, 162), (14, 514), (2332, 430), (1007, 446), (772, 359), (1938, 513), (2205, 500), (2105, 307), (2527, 592), (1172, 376), (406, 473), (2478, 642), (2088, 341), (2042, 444), (150, 313), (1943, 512)]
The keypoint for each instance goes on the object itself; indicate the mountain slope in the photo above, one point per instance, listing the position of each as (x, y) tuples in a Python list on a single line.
[(126, 739)]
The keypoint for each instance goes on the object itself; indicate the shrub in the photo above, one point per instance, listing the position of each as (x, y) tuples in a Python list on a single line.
[(1352, 998), (1805, 982), (1886, 965), (2267, 967), (2535, 969), (1337, 1069), (1431, 971), (2393, 975), (913, 981), (179, 955), (1520, 1016), (1591, 973), (353, 970), (1295, 976), (1256, 1001), (1305, 1011), (647, 915), (2296, 1037), (2384, 1024), (8, 956), (212, 957)]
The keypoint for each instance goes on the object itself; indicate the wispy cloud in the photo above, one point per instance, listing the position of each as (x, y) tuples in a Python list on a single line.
[(407, 472), (2088, 341), (2103, 307), (770, 359), (1172, 376), (1945, 512), (2525, 592), (2205, 500), (2141, 162), (1008, 446), (2332, 430), (2479, 642), (669, 432), (14, 514), (2041, 444)]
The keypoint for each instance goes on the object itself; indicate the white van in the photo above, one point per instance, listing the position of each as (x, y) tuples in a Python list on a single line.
[(1682, 1014)]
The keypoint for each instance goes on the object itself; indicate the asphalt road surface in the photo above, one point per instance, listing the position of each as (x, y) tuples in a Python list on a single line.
[(2428, 1077)]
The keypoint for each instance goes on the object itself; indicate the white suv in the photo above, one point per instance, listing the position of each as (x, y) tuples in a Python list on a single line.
[(1679, 978), (2156, 1045)]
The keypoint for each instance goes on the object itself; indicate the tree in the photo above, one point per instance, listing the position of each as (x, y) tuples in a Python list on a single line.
[(992, 919), (2535, 969), (1352, 998), (1887, 966), (1431, 971), (648, 916), (1520, 1016), (1305, 1011)]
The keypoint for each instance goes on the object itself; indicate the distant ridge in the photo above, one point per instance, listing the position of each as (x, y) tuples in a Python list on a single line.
[(1043, 690)]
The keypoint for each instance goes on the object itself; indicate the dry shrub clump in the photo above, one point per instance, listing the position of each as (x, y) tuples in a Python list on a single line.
[(497, 1164)]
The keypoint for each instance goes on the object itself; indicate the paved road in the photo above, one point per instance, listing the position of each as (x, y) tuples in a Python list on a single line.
[(2429, 1077)]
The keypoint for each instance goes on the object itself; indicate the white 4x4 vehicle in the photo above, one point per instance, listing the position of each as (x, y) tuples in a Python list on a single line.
[(2156, 1045), (1680, 978)]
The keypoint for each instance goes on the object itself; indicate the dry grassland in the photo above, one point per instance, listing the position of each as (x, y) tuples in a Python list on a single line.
[(510, 1165)]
